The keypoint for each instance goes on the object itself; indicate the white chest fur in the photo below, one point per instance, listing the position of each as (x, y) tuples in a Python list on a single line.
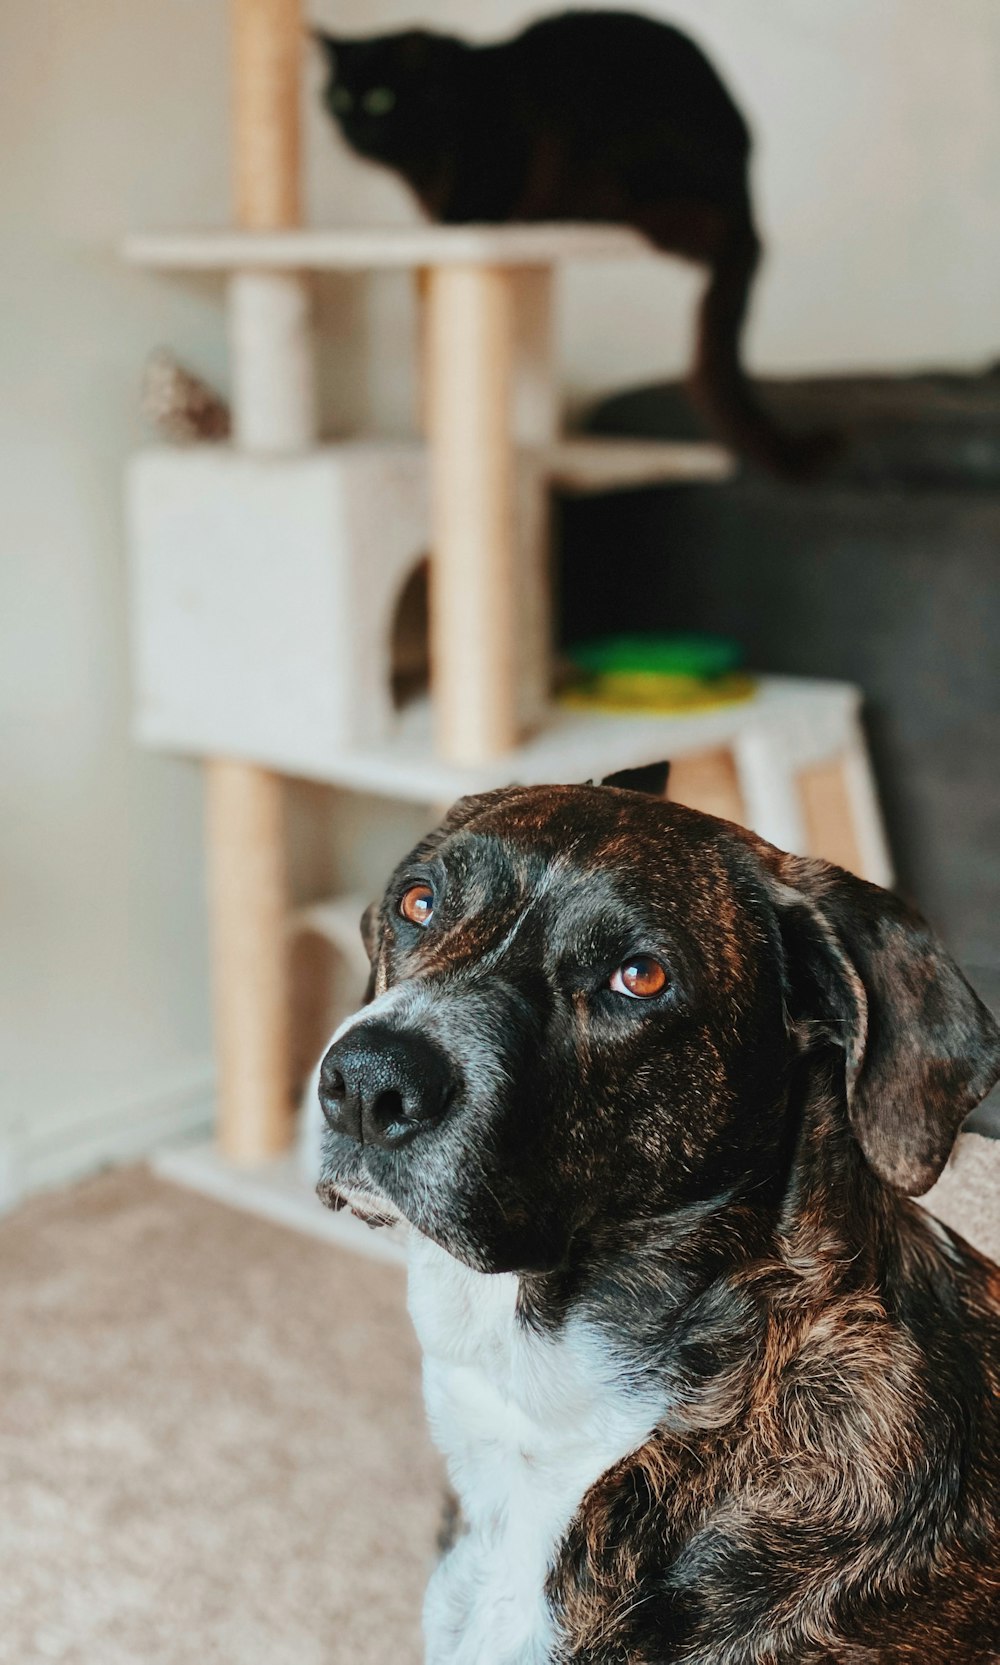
[(527, 1423)]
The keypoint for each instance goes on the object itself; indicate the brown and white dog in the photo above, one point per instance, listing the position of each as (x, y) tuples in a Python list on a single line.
[(654, 1097)]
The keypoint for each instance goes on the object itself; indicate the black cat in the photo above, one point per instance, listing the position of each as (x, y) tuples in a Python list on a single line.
[(600, 116)]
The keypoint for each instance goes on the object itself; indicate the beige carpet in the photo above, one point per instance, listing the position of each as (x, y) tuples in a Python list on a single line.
[(211, 1441), (212, 1450)]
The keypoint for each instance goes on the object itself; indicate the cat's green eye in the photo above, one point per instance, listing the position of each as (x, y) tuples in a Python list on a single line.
[(342, 100), (379, 101)]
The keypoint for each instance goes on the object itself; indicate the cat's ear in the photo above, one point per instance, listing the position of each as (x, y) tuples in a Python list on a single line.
[(328, 45), (413, 49), (650, 778), (920, 1048)]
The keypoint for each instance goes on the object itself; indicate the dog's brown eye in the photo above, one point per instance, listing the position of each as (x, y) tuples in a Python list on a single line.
[(417, 904), (640, 977)]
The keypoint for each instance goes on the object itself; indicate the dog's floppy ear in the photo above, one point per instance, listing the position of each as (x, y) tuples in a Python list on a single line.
[(650, 778), (921, 1049)]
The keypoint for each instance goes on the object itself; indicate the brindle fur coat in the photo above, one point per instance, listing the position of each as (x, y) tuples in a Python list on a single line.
[(717, 1185)]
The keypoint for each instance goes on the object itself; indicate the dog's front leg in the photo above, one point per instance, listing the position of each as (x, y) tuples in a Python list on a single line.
[(473, 1615)]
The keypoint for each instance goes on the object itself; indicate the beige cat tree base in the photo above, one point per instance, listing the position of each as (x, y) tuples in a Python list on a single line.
[(267, 575)]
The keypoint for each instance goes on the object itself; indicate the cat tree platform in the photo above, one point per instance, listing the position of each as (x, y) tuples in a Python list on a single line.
[(383, 248)]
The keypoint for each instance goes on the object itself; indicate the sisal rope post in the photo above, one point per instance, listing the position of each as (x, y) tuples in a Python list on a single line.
[(266, 129), (248, 899), (469, 345)]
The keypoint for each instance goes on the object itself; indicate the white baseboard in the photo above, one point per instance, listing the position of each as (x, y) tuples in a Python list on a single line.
[(11, 1186), (171, 1124), (74, 1141)]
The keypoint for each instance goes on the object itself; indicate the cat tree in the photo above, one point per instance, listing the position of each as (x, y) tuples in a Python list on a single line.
[(266, 574)]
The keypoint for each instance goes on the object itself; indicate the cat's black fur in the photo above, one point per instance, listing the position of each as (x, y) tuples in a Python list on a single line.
[(601, 116)]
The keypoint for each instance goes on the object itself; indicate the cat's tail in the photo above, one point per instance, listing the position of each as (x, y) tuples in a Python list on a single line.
[(721, 388)]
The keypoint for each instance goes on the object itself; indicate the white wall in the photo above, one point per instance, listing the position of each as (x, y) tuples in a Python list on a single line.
[(112, 113), (878, 173)]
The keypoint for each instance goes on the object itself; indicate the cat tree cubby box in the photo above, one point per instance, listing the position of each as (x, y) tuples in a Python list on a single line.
[(267, 576)]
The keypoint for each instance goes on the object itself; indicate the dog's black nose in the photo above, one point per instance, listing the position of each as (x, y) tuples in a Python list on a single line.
[(383, 1086)]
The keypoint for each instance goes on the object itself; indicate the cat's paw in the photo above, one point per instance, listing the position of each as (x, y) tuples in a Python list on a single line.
[(803, 458)]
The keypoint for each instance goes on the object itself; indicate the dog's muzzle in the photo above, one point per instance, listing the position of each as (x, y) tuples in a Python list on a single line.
[(383, 1086)]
